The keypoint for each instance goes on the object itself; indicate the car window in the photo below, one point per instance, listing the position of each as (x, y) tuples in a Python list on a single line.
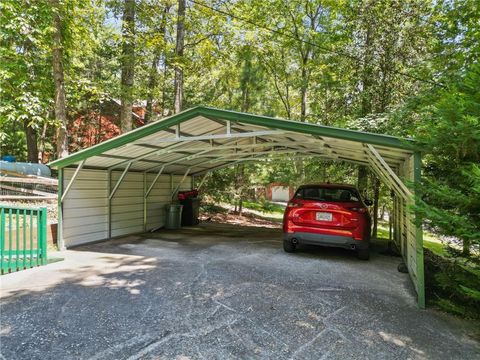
[(327, 194)]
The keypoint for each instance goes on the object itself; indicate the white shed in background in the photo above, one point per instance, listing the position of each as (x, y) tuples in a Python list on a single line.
[(280, 193)]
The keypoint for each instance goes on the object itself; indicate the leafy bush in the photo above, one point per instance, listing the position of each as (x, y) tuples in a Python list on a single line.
[(452, 286)]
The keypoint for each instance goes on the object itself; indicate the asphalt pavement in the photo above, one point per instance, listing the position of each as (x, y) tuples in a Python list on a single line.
[(221, 292)]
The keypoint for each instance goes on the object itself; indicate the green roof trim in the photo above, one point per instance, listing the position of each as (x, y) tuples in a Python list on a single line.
[(308, 128), (271, 122)]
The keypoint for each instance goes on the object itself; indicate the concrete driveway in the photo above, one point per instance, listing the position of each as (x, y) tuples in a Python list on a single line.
[(220, 292)]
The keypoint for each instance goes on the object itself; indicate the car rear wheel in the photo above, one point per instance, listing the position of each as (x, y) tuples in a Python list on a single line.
[(288, 246), (363, 254)]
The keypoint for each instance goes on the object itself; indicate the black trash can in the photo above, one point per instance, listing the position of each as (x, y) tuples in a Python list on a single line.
[(191, 208)]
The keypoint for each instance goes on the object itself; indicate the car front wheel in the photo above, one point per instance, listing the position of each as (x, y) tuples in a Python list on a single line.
[(288, 246)]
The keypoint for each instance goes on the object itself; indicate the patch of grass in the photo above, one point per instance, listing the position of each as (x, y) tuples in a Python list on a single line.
[(436, 247), (430, 241), (264, 207), (212, 208), (382, 233)]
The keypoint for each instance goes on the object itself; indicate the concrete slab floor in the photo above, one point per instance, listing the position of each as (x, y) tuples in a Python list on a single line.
[(220, 292)]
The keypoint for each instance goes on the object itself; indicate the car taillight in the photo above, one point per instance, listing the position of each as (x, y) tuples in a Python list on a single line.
[(293, 204), (359, 209)]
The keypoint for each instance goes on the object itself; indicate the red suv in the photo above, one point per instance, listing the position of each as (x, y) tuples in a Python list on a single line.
[(328, 215)]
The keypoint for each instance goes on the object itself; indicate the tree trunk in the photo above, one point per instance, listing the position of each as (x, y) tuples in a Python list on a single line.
[(152, 84), (127, 64), (179, 49), (304, 89), (152, 81), (362, 180), (466, 247), (245, 99), (241, 184), (367, 74), (245, 106), (366, 106), (58, 76), (41, 143), (32, 148), (382, 214), (164, 86), (303, 110)]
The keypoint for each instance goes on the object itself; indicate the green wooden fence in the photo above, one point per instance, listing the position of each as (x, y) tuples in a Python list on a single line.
[(23, 238)]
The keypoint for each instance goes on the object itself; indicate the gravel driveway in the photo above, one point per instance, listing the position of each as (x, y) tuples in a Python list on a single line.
[(221, 292)]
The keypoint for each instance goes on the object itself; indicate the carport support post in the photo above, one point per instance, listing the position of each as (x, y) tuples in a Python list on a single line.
[(109, 205), (119, 181), (202, 181), (60, 242), (417, 178), (146, 192), (144, 201), (180, 183), (111, 193), (70, 183)]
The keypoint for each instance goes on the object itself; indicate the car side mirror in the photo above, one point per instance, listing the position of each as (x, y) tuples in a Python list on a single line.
[(368, 202)]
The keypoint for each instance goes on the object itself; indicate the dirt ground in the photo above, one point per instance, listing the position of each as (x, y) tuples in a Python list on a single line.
[(247, 219)]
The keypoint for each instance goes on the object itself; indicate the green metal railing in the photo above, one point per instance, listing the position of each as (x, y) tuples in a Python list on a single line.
[(23, 238)]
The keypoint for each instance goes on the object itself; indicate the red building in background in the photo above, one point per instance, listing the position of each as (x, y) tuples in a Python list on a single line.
[(100, 124)]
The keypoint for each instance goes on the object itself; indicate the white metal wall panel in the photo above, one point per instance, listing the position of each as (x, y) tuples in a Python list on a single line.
[(127, 204), (410, 227), (85, 208), (158, 198), (186, 185)]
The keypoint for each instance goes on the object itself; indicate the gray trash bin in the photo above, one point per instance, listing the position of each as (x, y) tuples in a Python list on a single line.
[(173, 216)]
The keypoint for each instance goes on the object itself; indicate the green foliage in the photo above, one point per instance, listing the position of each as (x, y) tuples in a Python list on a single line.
[(450, 307), (452, 286), (457, 45), (26, 86), (26, 82), (450, 134)]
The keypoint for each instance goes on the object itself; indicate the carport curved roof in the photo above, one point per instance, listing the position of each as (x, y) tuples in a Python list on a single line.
[(202, 139)]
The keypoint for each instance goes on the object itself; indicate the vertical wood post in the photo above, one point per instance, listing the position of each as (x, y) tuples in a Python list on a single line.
[(60, 241), (417, 178), (109, 205)]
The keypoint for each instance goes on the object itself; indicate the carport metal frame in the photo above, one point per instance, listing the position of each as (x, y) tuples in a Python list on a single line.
[(241, 137)]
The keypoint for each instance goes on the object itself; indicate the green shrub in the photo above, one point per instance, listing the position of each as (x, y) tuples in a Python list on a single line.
[(452, 286)]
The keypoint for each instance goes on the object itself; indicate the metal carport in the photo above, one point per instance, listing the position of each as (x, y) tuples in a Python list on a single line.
[(120, 186)]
